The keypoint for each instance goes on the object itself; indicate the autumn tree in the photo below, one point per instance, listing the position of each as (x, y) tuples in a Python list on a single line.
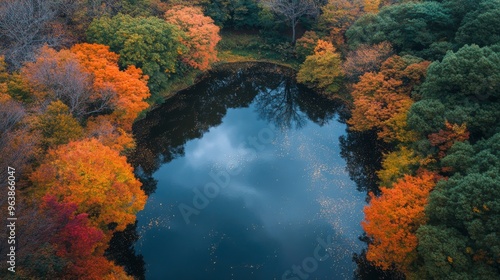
[(59, 75), (17, 143), (87, 79), (382, 100), (292, 10), (364, 59), (148, 43), (371, 6), (94, 177), (322, 69), (396, 164), (57, 126), (202, 35), (127, 89), (109, 133), (304, 46), (337, 16), (392, 219), (64, 244), (79, 243)]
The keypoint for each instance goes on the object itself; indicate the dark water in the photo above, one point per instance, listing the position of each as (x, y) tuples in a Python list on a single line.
[(248, 179)]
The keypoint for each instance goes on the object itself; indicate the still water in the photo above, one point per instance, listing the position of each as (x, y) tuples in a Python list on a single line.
[(246, 181)]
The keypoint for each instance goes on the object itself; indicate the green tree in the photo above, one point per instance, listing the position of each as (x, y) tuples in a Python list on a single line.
[(482, 26), (149, 43), (467, 84), (461, 240), (412, 28)]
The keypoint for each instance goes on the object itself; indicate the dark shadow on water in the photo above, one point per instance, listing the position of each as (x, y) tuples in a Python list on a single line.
[(121, 251), (363, 154)]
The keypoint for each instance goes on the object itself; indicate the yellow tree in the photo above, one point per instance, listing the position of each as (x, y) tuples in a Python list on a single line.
[(57, 125), (323, 68), (396, 164), (371, 6), (94, 177)]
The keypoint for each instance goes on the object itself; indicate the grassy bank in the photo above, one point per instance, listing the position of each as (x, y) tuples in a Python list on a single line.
[(236, 47), (244, 46)]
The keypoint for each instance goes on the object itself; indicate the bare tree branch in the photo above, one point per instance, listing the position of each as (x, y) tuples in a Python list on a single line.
[(292, 10), (25, 25)]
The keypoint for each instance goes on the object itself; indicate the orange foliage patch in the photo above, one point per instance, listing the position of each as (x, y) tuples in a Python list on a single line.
[(392, 220), (381, 100), (94, 177), (130, 86), (202, 35)]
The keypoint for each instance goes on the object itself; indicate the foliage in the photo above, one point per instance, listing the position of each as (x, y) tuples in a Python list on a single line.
[(88, 80), (481, 26), (336, 17), (464, 212), (148, 43), (322, 69), (396, 164), (59, 75), (127, 89), (411, 28), (58, 126), (201, 35), (444, 139), (371, 6), (364, 59), (109, 134), (304, 46), (381, 100), (463, 88), (392, 220), (95, 178)]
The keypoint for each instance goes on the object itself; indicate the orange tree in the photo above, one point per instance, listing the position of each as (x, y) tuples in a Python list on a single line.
[(391, 221), (202, 35), (94, 177), (382, 100)]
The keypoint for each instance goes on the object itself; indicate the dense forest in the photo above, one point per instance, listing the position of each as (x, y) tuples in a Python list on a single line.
[(423, 76)]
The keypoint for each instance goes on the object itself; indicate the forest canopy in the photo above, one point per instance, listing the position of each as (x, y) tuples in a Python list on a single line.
[(421, 77)]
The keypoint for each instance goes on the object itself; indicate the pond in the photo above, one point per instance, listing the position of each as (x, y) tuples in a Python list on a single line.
[(246, 180)]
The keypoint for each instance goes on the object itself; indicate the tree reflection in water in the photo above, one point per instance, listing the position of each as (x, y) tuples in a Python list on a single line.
[(161, 136)]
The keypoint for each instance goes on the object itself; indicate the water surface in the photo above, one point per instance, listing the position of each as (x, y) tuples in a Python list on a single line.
[(246, 181)]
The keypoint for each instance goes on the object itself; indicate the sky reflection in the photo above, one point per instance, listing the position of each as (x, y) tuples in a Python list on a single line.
[(267, 219)]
